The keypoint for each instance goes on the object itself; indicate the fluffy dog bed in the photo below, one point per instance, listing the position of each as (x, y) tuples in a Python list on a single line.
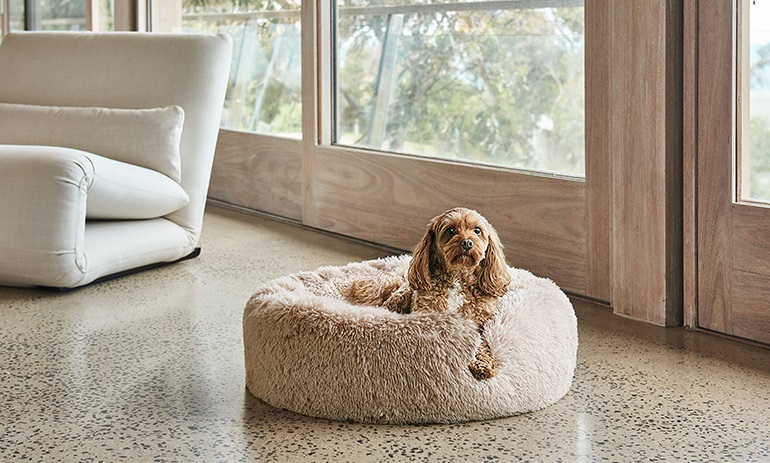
[(309, 351)]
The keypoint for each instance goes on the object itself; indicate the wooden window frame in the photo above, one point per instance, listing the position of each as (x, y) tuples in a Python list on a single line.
[(615, 237)]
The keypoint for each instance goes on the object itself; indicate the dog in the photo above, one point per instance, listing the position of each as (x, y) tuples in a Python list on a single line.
[(457, 266)]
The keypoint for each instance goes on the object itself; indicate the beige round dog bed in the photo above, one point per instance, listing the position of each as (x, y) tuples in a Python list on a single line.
[(309, 351)]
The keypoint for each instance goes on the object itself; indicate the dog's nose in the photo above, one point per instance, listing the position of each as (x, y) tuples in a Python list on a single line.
[(466, 244)]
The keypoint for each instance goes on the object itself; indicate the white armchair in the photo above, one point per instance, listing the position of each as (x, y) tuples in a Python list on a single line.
[(106, 147)]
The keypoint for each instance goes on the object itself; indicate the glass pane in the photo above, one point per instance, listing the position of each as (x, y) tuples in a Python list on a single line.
[(407, 3), (58, 15), (463, 80), (16, 15), (759, 102), (265, 92), (106, 15)]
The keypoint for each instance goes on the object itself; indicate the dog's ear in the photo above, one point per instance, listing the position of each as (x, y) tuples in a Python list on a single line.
[(425, 257), (494, 277), (419, 270)]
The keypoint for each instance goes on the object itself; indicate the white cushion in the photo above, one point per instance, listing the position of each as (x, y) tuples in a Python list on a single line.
[(114, 189), (144, 137), (129, 70)]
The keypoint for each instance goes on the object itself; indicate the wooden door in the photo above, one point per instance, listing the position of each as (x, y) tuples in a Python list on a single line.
[(733, 232)]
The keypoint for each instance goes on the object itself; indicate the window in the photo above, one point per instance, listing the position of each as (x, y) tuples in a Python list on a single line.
[(57, 15), (488, 82), (104, 16), (756, 184), (265, 91), (392, 89)]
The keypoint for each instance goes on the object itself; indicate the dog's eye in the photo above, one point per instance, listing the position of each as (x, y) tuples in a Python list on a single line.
[(477, 230), (451, 231)]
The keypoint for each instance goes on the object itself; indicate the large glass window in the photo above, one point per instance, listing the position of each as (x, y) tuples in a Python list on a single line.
[(59, 15), (265, 92), (487, 81), (758, 147)]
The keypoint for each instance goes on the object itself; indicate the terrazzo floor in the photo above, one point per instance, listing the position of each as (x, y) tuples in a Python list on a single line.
[(150, 368)]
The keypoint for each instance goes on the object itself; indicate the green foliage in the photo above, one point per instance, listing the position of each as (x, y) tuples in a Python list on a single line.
[(56, 9), (224, 6), (478, 86), (503, 87), (759, 75), (759, 128), (759, 149)]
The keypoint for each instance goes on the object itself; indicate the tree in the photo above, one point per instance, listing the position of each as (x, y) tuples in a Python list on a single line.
[(759, 154), (504, 87), (227, 6), (759, 67), (759, 128), (484, 86), (264, 94)]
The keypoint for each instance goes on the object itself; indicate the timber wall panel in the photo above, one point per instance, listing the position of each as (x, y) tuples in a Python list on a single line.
[(258, 172), (389, 199)]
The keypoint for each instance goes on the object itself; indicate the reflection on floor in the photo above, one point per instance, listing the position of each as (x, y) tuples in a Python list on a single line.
[(150, 368)]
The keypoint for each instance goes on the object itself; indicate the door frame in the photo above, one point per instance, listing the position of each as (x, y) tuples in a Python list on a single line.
[(717, 223), (694, 143)]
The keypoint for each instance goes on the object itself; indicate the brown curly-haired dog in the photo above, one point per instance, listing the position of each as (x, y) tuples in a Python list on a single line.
[(457, 266)]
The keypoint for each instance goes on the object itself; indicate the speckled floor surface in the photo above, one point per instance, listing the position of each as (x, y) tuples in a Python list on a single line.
[(150, 368)]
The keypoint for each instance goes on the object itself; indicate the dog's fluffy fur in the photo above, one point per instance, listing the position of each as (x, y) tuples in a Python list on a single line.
[(457, 266)]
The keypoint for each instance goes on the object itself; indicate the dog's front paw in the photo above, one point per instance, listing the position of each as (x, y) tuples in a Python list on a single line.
[(400, 301), (482, 370), (484, 366)]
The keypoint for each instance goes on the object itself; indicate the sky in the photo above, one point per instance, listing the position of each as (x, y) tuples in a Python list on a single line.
[(759, 16)]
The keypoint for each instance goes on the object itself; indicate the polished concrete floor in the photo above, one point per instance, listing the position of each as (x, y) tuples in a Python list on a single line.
[(150, 368)]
